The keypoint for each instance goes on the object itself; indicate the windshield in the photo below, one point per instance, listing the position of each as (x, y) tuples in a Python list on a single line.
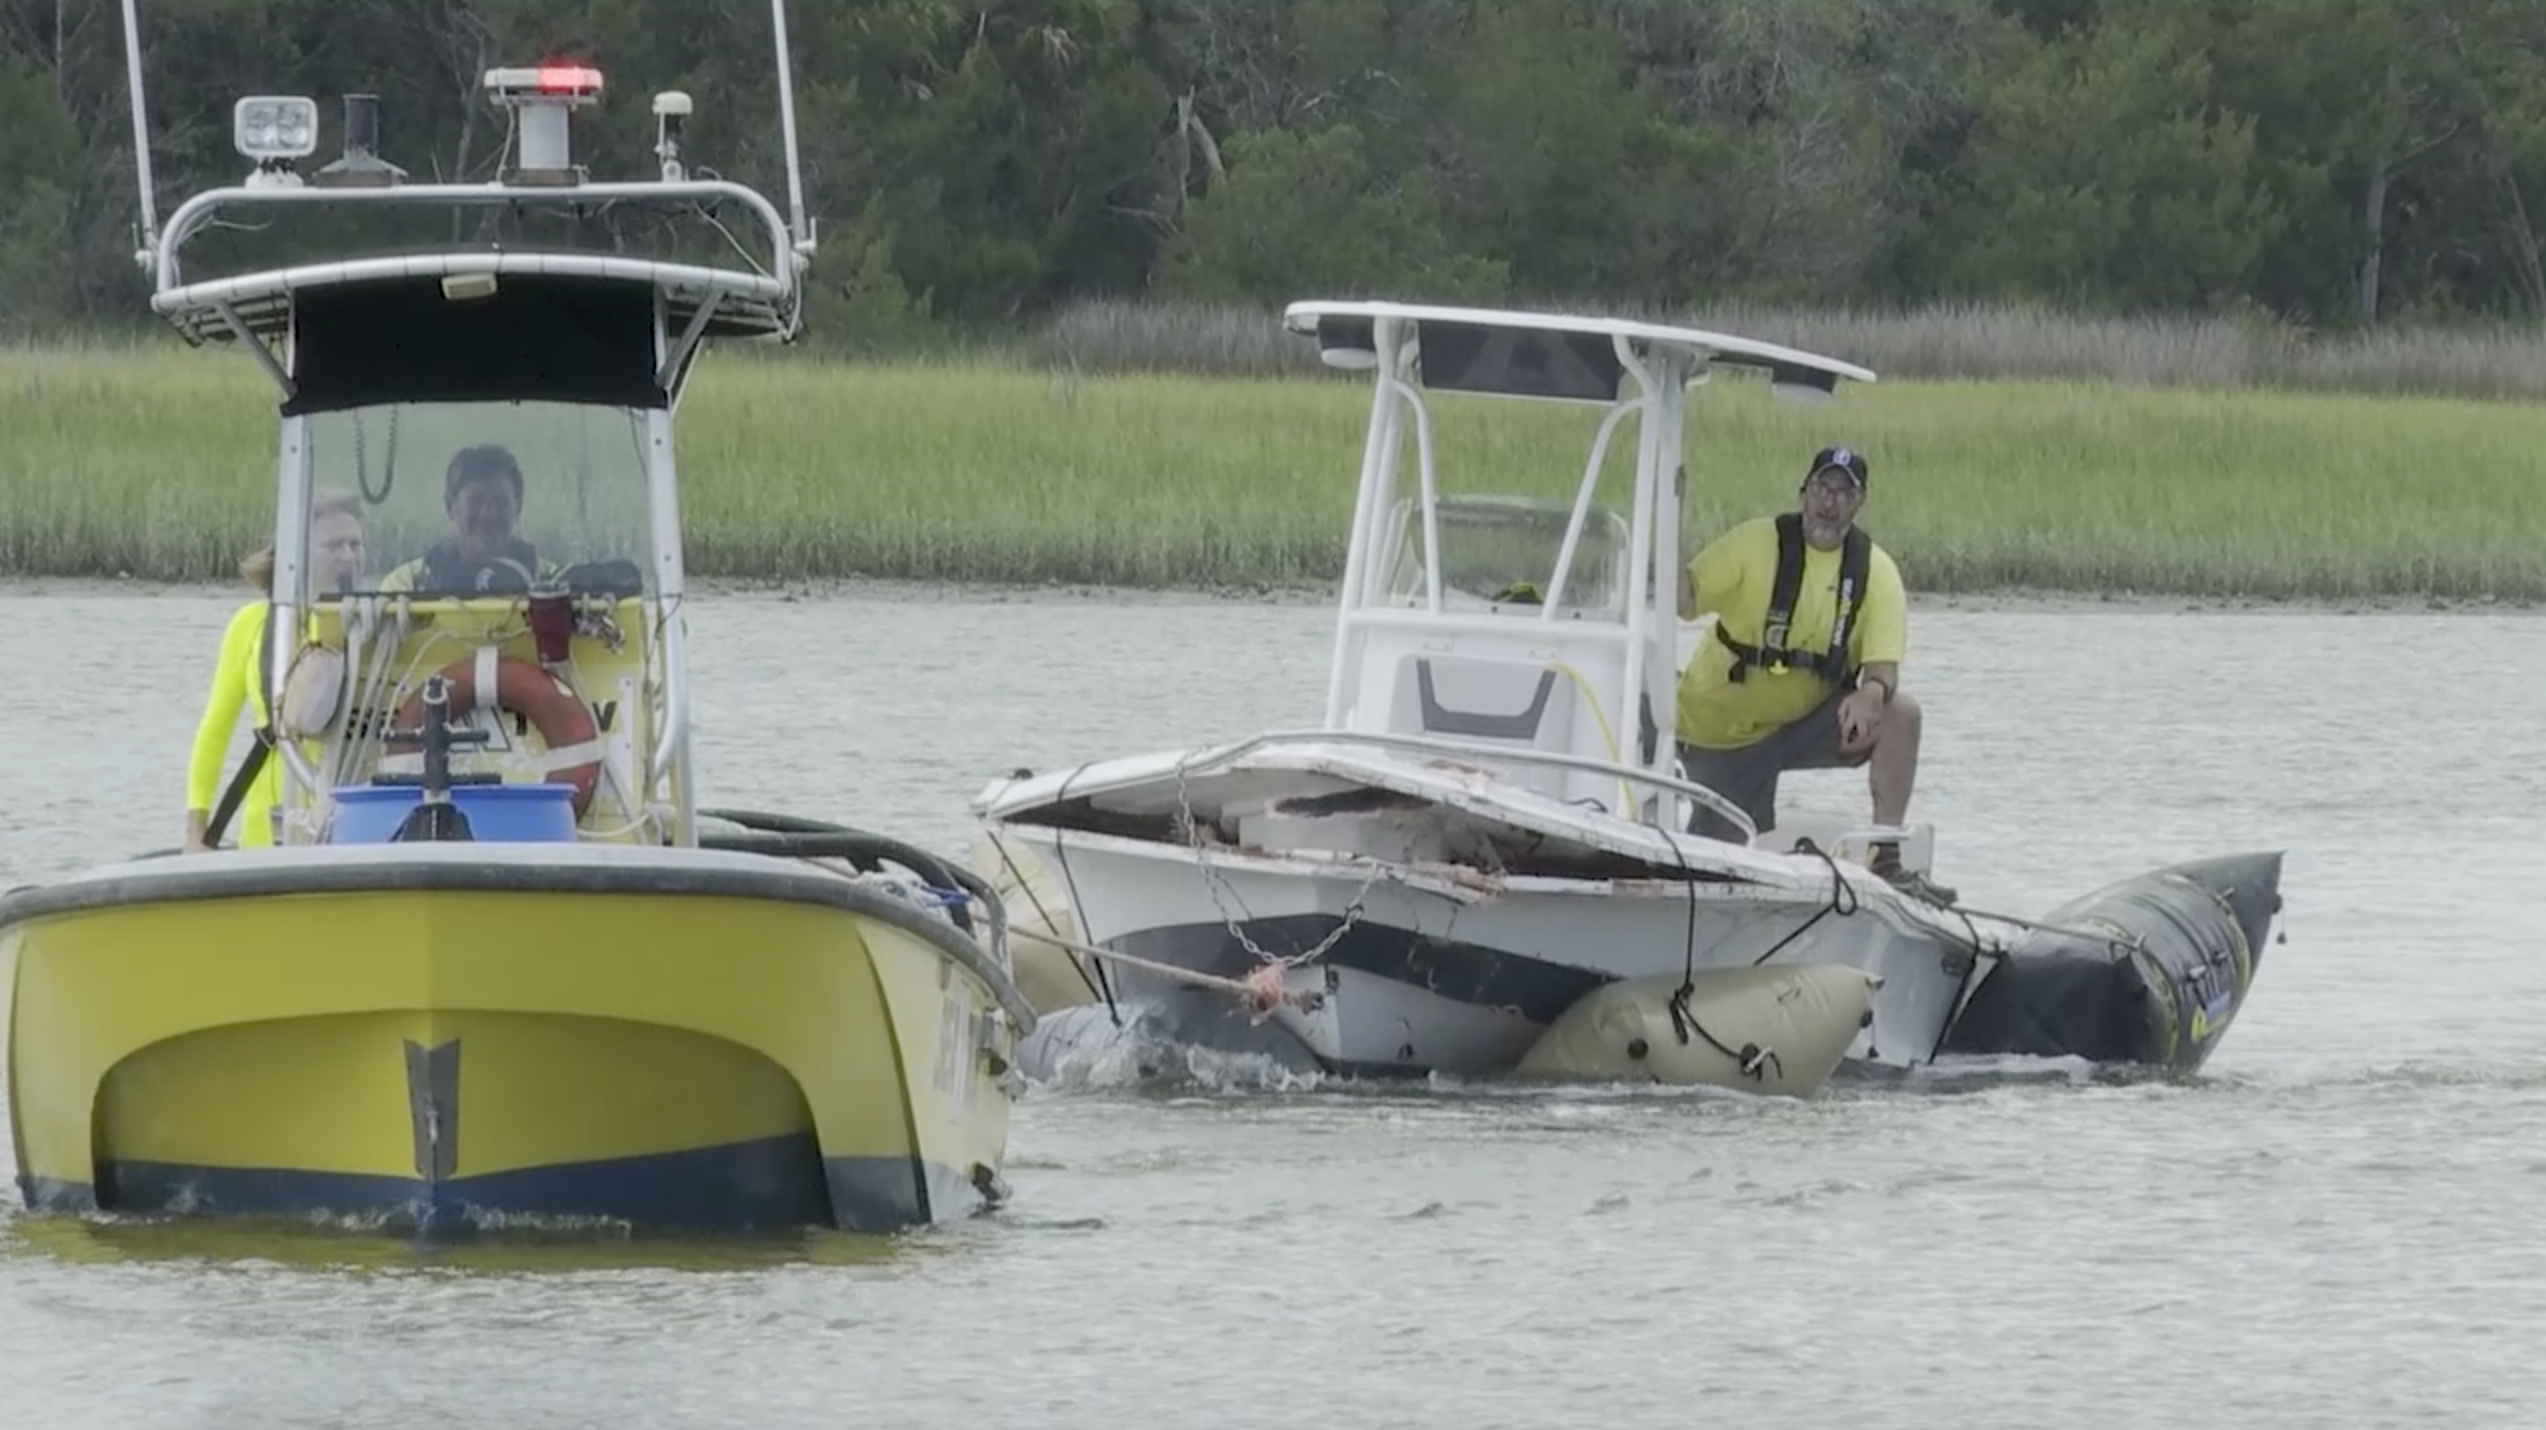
[(478, 498), (1502, 551)]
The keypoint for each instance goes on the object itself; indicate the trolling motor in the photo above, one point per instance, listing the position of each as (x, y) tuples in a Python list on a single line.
[(435, 819)]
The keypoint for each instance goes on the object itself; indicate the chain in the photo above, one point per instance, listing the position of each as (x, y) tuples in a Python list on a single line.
[(362, 463), (1213, 881)]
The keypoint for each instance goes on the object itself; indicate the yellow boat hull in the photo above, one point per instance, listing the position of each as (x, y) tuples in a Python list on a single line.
[(463, 1035)]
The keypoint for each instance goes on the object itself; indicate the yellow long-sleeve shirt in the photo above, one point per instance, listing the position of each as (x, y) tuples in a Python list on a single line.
[(235, 686)]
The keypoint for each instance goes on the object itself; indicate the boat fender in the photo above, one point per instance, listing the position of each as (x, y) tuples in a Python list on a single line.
[(312, 692), (2147, 971), (1777, 1028), (488, 680)]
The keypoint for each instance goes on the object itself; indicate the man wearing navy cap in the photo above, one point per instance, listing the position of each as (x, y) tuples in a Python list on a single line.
[(1803, 670)]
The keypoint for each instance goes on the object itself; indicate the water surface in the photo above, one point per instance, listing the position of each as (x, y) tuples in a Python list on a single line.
[(2329, 1227)]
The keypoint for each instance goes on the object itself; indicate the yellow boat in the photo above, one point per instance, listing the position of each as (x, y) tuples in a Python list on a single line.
[(496, 963)]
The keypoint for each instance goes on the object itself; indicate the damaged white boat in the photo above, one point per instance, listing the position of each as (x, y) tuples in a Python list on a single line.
[(1477, 866)]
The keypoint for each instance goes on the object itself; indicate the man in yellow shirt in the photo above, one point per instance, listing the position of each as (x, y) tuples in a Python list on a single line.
[(1826, 692), (482, 494)]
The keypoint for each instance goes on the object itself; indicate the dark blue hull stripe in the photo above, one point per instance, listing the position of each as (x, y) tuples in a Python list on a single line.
[(1457, 970), (775, 1183)]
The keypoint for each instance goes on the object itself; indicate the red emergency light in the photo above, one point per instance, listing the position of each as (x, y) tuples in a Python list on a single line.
[(568, 79), (572, 83)]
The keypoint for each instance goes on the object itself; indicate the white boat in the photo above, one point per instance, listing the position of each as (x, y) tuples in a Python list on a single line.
[(1488, 827)]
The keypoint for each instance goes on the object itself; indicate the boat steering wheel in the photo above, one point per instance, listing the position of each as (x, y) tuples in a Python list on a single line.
[(503, 573)]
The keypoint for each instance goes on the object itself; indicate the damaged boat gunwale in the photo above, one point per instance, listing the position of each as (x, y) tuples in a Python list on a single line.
[(1615, 856), (1476, 769), (1768, 915)]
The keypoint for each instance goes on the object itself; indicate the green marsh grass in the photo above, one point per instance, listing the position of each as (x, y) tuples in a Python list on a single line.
[(155, 462), (1932, 343)]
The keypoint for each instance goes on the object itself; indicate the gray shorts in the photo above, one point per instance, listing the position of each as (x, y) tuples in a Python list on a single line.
[(1748, 776)]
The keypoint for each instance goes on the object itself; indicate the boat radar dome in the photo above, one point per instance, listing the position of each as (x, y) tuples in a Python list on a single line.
[(543, 97), (671, 111)]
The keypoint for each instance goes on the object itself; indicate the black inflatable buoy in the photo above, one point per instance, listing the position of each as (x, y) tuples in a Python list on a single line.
[(2183, 948)]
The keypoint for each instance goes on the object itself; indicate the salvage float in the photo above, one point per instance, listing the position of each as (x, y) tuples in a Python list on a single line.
[(496, 963), (1481, 863)]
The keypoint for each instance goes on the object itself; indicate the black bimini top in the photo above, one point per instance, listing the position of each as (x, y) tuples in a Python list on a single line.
[(536, 337)]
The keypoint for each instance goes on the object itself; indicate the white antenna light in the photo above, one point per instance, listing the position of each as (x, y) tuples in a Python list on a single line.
[(671, 113)]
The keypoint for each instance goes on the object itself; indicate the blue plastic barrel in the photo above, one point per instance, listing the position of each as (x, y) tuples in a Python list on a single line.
[(497, 813)]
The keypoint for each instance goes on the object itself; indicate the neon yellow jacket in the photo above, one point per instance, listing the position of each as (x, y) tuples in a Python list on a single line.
[(235, 685)]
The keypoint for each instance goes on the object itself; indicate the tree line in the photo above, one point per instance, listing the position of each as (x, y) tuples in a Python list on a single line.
[(978, 165)]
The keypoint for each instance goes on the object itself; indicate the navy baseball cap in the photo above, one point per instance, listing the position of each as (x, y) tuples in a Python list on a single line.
[(1846, 459)]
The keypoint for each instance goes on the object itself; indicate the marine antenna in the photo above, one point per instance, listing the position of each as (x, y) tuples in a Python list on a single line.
[(543, 99), (273, 131), (148, 238)]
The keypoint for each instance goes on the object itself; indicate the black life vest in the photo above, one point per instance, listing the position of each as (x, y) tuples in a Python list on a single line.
[(1772, 653)]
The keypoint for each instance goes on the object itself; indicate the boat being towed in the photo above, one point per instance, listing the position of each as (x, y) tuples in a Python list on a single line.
[(498, 964), (1477, 864)]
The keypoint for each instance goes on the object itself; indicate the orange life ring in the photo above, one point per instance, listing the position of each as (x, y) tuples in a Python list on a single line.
[(551, 706)]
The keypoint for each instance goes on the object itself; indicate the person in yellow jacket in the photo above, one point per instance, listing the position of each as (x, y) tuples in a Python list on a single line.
[(1803, 667), (337, 550), (482, 494)]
